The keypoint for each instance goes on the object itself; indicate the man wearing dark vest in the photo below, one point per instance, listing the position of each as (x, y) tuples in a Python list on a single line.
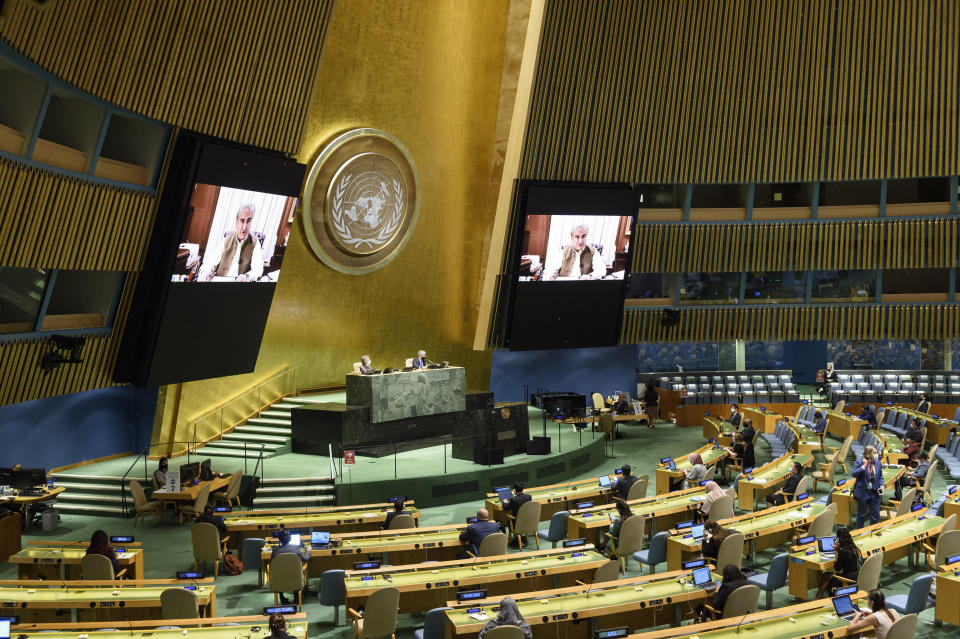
[(578, 259), (240, 257)]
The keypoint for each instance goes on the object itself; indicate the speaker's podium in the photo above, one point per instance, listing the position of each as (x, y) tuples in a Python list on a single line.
[(407, 410)]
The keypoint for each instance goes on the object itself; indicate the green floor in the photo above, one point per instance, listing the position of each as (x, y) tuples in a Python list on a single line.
[(168, 546)]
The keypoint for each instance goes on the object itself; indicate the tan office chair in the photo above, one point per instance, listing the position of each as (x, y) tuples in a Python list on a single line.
[(207, 545), (822, 524), (599, 404), (710, 474), (356, 367), (869, 575), (825, 474), (99, 568), (742, 601), (721, 508), (403, 521), (630, 541), (802, 487), (408, 363), (903, 628), (903, 506), (730, 551), (179, 603), (923, 437), (493, 545), (379, 617), (140, 503), (948, 545), (840, 405), (840, 453), (609, 571), (231, 493), (639, 488), (526, 522), (924, 485), (196, 508), (287, 573), (950, 523), (504, 632)]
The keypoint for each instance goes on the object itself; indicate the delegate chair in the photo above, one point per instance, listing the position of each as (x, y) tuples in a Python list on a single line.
[(630, 541), (505, 632), (403, 521), (840, 454), (196, 508), (558, 528), (730, 552), (903, 628), (924, 485), (825, 474), (252, 557), (639, 488), (773, 579), (903, 506), (598, 404), (287, 573), (231, 493), (356, 367), (207, 545), (869, 576), (917, 600), (802, 487), (434, 624), (722, 508), (609, 571), (379, 617), (656, 553), (822, 524), (526, 522), (179, 603), (99, 568), (333, 592), (948, 545), (140, 503), (742, 601), (493, 545)]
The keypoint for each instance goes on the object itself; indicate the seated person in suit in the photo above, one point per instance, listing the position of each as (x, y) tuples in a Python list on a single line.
[(867, 415), (420, 361), (623, 405), (578, 259), (789, 487), (397, 510), (920, 472), (283, 546), (736, 417), (160, 474), (924, 405), (239, 256), (819, 423), (100, 545), (208, 517), (621, 489), (366, 366), (519, 499), (477, 531)]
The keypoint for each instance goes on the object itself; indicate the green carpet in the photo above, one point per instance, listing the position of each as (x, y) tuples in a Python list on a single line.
[(168, 546)]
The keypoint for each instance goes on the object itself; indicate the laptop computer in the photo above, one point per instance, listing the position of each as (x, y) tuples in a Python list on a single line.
[(827, 546), (697, 531), (604, 481), (671, 465), (844, 607), (295, 539), (504, 494), (4, 629), (319, 538), (703, 579)]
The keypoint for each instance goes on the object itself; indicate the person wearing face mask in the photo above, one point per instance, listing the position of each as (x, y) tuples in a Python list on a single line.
[(779, 497), (868, 472), (736, 417)]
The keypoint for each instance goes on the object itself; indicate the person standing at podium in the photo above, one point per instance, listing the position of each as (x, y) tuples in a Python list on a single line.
[(420, 361)]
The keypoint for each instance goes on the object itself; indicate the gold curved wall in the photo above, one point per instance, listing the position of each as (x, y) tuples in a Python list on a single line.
[(798, 90), (430, 74), (240, 70)]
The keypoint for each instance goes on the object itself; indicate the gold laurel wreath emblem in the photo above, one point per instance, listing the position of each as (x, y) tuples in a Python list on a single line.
[(343, 231)]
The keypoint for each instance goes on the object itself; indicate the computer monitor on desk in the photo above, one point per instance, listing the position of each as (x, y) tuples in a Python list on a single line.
[(27, 478), (189, 472), (206, 473)]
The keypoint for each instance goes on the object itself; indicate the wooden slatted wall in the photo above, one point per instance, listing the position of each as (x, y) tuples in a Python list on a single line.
[(241, 70), (53, 221), (746, 91), (920, 321), (861, 245)]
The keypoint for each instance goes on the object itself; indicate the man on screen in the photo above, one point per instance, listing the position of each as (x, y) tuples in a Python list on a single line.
[(240, 257), (578, 259)]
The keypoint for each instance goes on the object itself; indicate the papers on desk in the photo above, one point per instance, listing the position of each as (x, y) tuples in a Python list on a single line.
[(124, 555), (796, 514), (699, 498)]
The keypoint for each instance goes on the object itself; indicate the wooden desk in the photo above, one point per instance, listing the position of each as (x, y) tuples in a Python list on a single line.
[(841, 425), (637, 602), (98, 601), (767, 478), (808, 442), (341, 519), (204, 628), (426, 586), (843, 493), (768, 528), (554, 497), (948, 594), (57, 562), (719, 430), (9, 535), (764, 421), (710, 455), (938, 428), (897, 539), (190, 493), (892, 447), (811, 619), (693, 414), (397, 547), (662, 511)]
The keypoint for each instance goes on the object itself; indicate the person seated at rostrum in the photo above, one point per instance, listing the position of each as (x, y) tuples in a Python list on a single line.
[(623, 406)]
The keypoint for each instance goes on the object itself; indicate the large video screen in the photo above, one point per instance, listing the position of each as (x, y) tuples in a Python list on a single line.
[(233, 235), (560, 248)]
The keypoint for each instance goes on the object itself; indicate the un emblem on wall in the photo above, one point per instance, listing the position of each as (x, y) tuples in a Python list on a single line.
[(360, 201)]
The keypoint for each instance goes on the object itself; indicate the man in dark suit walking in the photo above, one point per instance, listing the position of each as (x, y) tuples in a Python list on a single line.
[(868, 471)]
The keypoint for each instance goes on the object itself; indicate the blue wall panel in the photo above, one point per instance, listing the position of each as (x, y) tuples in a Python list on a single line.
[(70, 428), (579, 370)]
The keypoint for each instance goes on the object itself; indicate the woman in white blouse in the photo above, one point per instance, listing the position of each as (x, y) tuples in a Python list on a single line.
[(879, 618)]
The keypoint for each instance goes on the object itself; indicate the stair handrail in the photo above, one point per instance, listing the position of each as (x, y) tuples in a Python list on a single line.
[(144, 453)]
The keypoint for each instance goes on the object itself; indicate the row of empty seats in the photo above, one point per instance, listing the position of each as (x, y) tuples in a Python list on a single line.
[(897, 421), (734, 388), (949, 454), (941, 388), (782, 439)]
